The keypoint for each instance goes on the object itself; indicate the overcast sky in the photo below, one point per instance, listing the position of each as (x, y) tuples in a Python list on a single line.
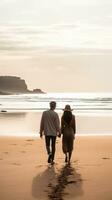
[(57, 45)]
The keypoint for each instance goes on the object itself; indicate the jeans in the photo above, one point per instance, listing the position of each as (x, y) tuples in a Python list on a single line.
[(50, 145)]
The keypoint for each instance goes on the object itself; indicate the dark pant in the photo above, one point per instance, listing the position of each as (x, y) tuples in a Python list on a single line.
[(50, 145)]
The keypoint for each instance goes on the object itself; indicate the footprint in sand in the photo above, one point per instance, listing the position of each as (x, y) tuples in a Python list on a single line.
[(38, 166), (105, 158), (17, 164), (75, 161), (6, 152), (30, 140), (23, 151)]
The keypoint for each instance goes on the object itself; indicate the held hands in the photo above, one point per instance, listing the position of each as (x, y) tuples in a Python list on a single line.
[(74, 137), (59, 134)]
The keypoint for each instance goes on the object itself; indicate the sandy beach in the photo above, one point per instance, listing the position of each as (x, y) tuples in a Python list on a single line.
[(25, 174)]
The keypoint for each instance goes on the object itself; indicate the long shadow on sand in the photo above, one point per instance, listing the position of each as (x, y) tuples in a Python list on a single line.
[(69, 182), (51, 185), (42, 182)]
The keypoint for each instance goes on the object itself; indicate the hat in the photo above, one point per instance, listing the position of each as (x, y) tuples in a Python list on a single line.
[(67, 108)]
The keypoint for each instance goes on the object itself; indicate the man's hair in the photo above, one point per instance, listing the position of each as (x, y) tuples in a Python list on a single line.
[(52, 104)]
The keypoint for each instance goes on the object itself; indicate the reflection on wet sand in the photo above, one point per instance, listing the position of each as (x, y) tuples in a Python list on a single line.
[(67, 176), (54, 185), (42, 182), (16, 124), (12, 114)]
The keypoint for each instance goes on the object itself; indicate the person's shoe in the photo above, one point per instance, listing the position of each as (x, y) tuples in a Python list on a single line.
[(69, 162), (52, 162), (50, 158), (66, 159)]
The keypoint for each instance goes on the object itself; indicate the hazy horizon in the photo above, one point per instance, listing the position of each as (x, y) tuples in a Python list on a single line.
[(58, 46)]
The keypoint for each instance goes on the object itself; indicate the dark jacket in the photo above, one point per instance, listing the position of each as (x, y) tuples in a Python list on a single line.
[(72, 124)]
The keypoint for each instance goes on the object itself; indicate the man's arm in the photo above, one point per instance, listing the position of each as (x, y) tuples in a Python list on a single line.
[(74, 124), (42, 125), (57, 122)]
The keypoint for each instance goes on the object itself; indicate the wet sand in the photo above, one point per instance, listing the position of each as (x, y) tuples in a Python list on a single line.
[(28, 124), (25, 174)]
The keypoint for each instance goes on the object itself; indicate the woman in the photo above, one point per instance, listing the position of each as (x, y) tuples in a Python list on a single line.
[(68, 129)]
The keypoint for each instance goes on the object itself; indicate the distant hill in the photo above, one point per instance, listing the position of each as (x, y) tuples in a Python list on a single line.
[(15, 85), (3, 93)]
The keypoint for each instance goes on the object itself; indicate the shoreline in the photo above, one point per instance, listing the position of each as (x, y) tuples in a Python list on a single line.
[(38, 137), (28, 124)]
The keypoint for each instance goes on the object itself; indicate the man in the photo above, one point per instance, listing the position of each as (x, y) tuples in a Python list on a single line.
[(50, 125)]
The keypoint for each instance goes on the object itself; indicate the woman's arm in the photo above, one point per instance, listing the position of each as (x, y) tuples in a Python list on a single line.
[(62, 125), (73, 124)]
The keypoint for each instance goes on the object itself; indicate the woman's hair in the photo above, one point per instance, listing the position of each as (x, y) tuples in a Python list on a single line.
[(67, 116)]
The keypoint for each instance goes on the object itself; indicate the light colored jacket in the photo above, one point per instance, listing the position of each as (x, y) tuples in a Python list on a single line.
[(50, 124)]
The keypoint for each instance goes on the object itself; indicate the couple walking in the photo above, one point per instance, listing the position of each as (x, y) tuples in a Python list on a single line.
[(50, 127)]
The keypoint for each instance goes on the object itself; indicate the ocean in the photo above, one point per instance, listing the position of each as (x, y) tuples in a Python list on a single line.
[(21, 114)]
